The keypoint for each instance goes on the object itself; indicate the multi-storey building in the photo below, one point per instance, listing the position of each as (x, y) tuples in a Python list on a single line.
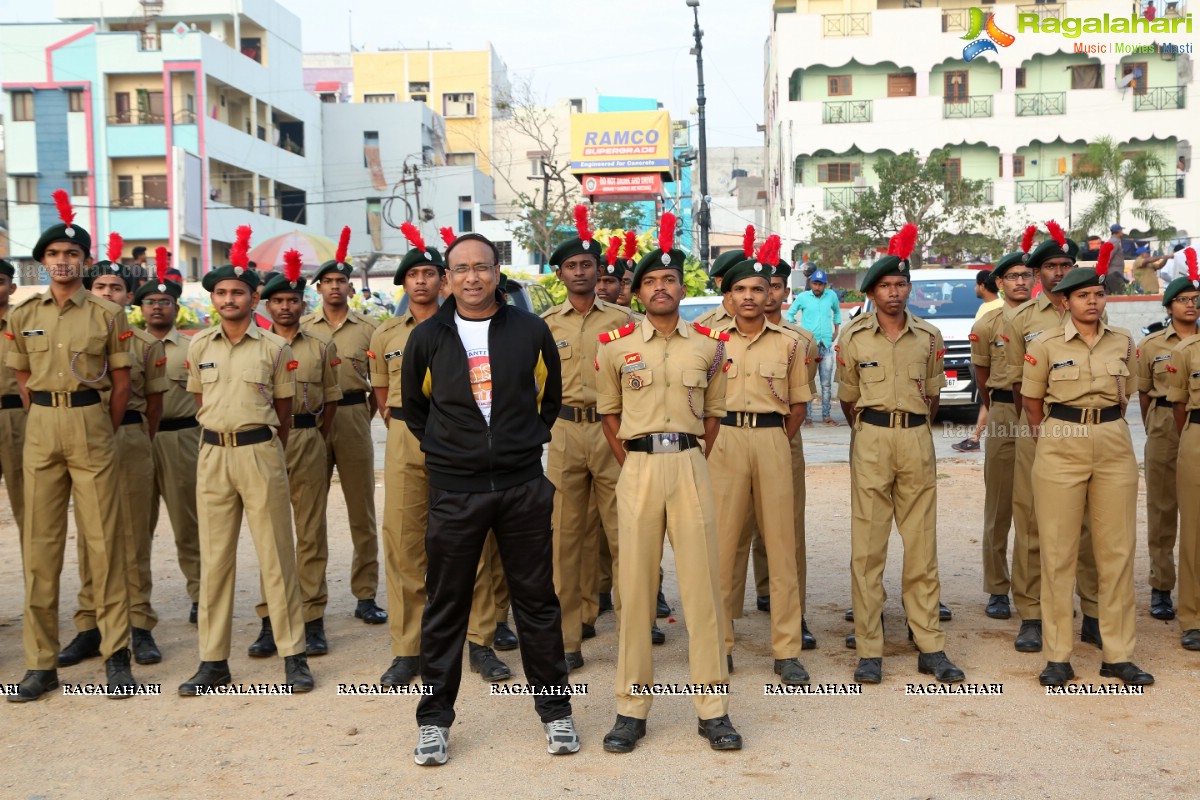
[(171, 122), (848, 81)]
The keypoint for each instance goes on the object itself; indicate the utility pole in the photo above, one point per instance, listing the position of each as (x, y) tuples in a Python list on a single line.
[(703, 212)]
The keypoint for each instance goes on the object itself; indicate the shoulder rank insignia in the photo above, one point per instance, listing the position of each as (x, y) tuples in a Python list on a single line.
[(1031, 359), (710, 333), (612, 336), (125, 335)]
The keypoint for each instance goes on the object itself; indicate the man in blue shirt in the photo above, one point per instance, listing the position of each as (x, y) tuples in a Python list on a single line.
[(821, 315)]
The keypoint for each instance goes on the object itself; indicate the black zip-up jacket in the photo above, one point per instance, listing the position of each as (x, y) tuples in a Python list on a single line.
[(463, 453)]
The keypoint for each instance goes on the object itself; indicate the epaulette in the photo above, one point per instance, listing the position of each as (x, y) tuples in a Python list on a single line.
[(612, 336), (720, 336)]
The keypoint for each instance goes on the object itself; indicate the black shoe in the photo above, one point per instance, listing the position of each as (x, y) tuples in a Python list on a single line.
[(35, 684), (1190, 639), (944, 612), (720, 733), (1089, 632), (210, 675), (86, 644), (940, 667), (120, 677), (869, 670), (810, 641), (574, 661), (624, 735), (662, 609), (484, 661), (606, 602), (764, 603), (588, 631), (315, 643), (1129, 673), (368, 612), (1160, 604), (194, 614), (264, 645), (1029, 638), (297, 675), (791, 672), (849, 615), (1056, 673), (505, 639), (145, 651), (851, 641), (729, 663), (402, 671), (656, 635), (997, 607)]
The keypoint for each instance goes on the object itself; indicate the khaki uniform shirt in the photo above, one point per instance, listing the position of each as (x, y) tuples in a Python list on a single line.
[(989, 348), (577, 337), (1153, 358), (876, 373), (8, 376), (353, 340), (148, 374), (178, 402), (809, 344), (386, 355), (69, 349), (239, 383), (765, 372), (716, 318), (661, 384), (1022, 325), (1184, 382), (1062, 369), (316, 372)]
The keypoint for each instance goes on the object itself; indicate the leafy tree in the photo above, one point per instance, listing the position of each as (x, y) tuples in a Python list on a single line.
[(1122, 184)]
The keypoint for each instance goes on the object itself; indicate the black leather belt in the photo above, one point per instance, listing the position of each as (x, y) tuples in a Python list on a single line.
[(663, 443), (1002, 396), (579, 414), (87, 397), (396, 413), (304, 420), (1194, 416), (10, 401), (177, 424), (238, 439), (1086, 416), (353, 399), (132, 418), (749, 419), (894, 419), (1162, 401)]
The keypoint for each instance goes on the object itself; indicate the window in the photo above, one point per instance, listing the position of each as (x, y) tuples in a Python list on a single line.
[(1085, 76), (419, 98), (1080, 165), (375, 222), (121, 104), (389, 97), (458, 105), (328, 97), (953, 168), (466, 216), (576, 104), (537, 167), (1139, 72), (1018, 166), (125, 190), (955, 86), (902, 85), (504, 250), (418, 87), (26, 191), (843, 172), (79, 185), (22, 105), (840, 85), (1020, 77), (460, 159), (154, 192), (74, 100), (370, 147)]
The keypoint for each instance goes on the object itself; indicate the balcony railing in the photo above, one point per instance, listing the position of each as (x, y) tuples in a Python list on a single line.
[(1162, 186), (839, 197), (185, 117), (1040, 191), (136, 118), (139, 201), (835, 25), (968, 107), (1041, 104), (1042, 10), (847, 111), (956, 19), (1162, 97), (957, 193)]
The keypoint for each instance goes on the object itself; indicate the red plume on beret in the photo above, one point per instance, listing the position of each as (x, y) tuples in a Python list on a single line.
[(1106, 251), (666, 232), (1189, 255), (581, 224), (614, 250), (1027, 239), (343, 246), (768, 253), (63, 202), (748, 242), (115, 245), (902, 244), (1056, 233), (162, 263), (630, 251), (448, 236), (291, 265), (239, 254), (413, 235)]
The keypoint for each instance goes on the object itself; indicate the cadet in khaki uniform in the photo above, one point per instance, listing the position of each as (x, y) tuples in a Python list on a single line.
[(889, 377), (659, 387), (243, 377), (580, 462), (68, 348), (1162, 443), (1050, 261), (1075, 384), (766, 371), (313, 407), (1183, 391), (990, 358), (135, 464), (12, 410), (350, 447), (177, 443)]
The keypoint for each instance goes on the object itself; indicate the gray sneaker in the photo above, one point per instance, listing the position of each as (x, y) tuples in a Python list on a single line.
[(432, 746), (561, 738)]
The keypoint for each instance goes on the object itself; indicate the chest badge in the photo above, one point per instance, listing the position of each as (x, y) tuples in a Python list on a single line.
[(635, 383)]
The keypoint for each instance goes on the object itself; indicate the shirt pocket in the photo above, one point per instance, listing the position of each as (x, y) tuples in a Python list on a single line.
[(776, 375), (1064, 385), (637, 380), (209, 376), (88, 355), (256, 388), (394, 362), (565, 352), (871, 383), (695, 378), (1117, 368), (918, 372)]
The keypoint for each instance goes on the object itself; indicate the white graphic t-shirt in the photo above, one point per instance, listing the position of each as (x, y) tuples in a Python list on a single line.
[(474, 335)]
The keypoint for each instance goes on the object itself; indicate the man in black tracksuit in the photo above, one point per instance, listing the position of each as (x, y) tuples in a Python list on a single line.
[(482, 386)]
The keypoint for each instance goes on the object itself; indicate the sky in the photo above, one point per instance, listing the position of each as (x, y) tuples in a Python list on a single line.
[(563, 48)]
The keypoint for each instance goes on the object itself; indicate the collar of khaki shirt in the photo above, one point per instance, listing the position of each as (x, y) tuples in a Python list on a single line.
[(910, 322), (176, 337), (351, 316), (648, 330), (79, 298), (767, 325), (254, 332), (1070, 331)]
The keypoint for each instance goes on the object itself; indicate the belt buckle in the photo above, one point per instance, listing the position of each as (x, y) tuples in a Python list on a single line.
[(579, 414), (750, 420), (898, 419), (1091, 416), (62, 399)]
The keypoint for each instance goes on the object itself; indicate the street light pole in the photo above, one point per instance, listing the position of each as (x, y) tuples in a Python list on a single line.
[(703, 212)]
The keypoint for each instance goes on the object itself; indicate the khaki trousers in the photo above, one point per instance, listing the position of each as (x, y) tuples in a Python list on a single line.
[(596, 567), (352, 451), (1162, 510), (175, 457), (999, 464), (758, 550), (12, 446), (1187, 479)]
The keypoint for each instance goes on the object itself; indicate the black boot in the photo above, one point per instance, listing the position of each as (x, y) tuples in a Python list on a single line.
[(1089, 632), (86, 644), (145, 651), (368, 612), (297, 674), (315, 643), (120, 677), (35, 684), (401, 672), (264, 645), (210, 675), (504, 639), (484, 661), (662, 608)]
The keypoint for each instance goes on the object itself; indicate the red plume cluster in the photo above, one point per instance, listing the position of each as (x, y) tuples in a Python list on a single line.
[(343, 246), (291, 265), (581, 223), (1056, 233), (614, 250), (901, 245), (239, 254), (1106, 251), (413, 235), (162, 263), (666, 232), (768, 253), (1189, 255), (630, 251), (1027, 239), (748, 242), (63, 202), (448, 236), (115, 245)]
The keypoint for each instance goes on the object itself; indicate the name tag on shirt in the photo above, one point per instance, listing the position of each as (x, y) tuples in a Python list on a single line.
[(1029, 337), (634, 367), (1196, 374), (1068, 363), (562, 344), (38, 332), (865, 364), (393, 354), (1163, 357), (207, 365)]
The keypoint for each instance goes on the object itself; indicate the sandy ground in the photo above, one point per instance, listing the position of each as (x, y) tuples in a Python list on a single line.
[(883, 743)]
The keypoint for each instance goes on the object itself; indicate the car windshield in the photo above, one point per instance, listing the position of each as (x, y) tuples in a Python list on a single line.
[(693, 311), (951, 297)]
